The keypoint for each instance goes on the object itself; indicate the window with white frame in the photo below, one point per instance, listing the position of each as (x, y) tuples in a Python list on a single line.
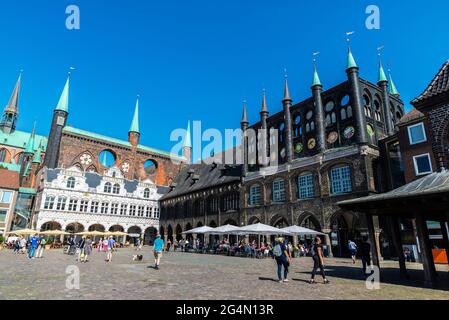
[(306, 187), (84, 205), (49, 203), (6, 197), (146, 193), (279, 191), (116, 189), (341, 180), (157, 213), (123, 209), (71, 183), (141, 210), (423, 164), (61, 203), (3, 214), (132, 210), (104, 207), (108, 187), (417, 133), (94, 207), (114, 208), (255, 195), (73, 204), (149, 212)]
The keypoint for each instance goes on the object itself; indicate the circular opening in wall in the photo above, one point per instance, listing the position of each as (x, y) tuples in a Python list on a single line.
[(107, 158), (150, 167), (344, 101), (330, 106)]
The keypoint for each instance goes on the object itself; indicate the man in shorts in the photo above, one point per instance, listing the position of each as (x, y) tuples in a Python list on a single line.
[(158, 248), (111, 248)]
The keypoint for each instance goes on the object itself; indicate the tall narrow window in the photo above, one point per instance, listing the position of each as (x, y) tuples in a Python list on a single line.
[(114, 208), (108, 187), (123, 209), (49, 203), (305, 186), (116, 189), (84, 205), (94, 207), (73, 204), (255, 195), (61, 203), (104, 207), (279, 191), (71, 183), (132, 210), (341, 180), (146, 193)]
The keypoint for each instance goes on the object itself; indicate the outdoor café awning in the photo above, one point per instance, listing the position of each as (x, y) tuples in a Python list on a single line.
[(262, 229), (227, 229), (200, 230), (301, 231)]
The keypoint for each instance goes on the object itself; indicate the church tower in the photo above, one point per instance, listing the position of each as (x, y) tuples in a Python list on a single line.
[(187, 147), (59, 121), (134, 139), (11, 114)]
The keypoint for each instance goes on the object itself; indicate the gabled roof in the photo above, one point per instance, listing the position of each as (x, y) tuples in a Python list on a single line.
[(412, 115), (207, 175), (439, 85), (19, 139)]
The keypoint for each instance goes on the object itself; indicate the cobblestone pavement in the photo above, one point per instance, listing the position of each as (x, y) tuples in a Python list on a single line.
[(191, 276)]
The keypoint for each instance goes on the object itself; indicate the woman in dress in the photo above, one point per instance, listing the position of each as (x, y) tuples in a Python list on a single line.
[(87, 249), (105, 245), (100, 245)]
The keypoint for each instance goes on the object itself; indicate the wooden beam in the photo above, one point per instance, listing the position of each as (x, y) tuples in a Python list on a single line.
[(372, 239), (397, 243), (426, 250)]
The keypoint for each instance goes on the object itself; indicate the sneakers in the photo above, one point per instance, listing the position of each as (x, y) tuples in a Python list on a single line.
[(286, 280), (326, 281), (281, 281), (312, 282)]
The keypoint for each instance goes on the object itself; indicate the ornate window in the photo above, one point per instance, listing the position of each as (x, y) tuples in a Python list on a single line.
[(306, 186), (279, 194), (146, 193), (149, 212), (114, 208), (116, 189), (94, 207), (141, 211), (132, 210), (71, 183), (255, 195), (123, 209), (378, 112), (157, 213), (108, 187), (84, 205), (104, 207), (73, 204), (61, 203), (341, 180), (49, 203)]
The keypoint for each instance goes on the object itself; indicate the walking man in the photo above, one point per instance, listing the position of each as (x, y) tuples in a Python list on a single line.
[(41, 247), (33, 245), (158, 248), (111, 248), (365, 253), (318, 260), (353, 250)]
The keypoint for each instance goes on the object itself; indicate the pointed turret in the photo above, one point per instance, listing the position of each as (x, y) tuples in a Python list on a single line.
[(63, 104), (244, 115), (37, 156), (287, 96), (316, 78), (264, 108), (135, 123), (287, 103), (29, 147), (244, 148), (381, 77), (317, 90), (351, 61), (9, 120), (383, 85), (263, 153), (393, 90)]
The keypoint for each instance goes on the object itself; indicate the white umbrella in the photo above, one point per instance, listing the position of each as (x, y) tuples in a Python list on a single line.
[(301, 231), (200, 230), (262, 229), (227, 229)]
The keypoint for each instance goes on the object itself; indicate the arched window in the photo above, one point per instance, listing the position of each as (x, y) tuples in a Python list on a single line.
[(306, 188), (116, 189), (343, 114), (341, 180), (146, 193), (108, 187), (349, 111), (255, 195), (71, 183), (3, 155), (279, 194), (377, 111)]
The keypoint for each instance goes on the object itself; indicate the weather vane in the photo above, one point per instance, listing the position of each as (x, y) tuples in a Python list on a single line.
[(379, 49), (348, 34), (315, 56)]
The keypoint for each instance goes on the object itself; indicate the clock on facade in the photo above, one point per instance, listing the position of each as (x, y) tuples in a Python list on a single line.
[(332, 137), (299, 147), (311, 144), (125, 167), (349, 132)]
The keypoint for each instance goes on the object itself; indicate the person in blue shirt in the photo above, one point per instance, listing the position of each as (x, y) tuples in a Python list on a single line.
[(33, 245), (158, 247)]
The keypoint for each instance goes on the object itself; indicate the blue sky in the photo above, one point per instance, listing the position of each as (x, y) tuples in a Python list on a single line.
[(199, 59)]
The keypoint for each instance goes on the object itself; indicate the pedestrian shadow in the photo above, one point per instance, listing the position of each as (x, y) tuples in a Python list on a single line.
[(388, 276), (301, 280), (268, 279)]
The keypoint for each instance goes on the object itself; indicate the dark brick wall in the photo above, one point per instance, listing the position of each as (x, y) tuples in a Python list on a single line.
[(438, 118)]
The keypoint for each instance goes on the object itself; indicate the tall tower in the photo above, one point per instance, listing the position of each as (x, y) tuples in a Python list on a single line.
[(317, 89), (244, 126), (383, 84), (59, 121), (287, 103), (11, 114), (134, 139), (28, 156), (264, 133), (352, 71), (187, 148)]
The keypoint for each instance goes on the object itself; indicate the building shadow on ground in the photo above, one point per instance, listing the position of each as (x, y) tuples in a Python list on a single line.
[(268, 279), (388, 276)]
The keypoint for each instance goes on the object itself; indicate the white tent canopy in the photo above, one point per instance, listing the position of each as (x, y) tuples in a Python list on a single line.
[(301, 231), (227, 229), (200, 230), (261, 229)]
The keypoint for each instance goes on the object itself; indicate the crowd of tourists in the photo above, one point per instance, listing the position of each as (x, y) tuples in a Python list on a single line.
[(33, 247)]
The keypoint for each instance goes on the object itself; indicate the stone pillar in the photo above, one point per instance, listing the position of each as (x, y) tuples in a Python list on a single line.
[(361, 131), (319, 117), (426, 250), (386, 107), (328, 243)]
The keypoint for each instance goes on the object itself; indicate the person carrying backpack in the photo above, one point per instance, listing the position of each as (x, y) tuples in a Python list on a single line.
[(282, 257), (318, 260)]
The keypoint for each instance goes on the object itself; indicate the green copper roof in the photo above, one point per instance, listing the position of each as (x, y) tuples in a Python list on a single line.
[(393, 89), (351, 60), (69, 129), (135, 123), (188, 139), (316, 78), (19, 139), (63, 104), (37, 156), (382, 77), (29, 148), (27, 190), (10, 166)]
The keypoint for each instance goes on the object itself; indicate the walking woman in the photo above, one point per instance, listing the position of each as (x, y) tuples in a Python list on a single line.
[(87, 249), (318, 260), (81, 252), (282, 257), (100, 245)]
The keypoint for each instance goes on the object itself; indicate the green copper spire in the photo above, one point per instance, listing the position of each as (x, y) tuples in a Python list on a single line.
[(63, 104), (135, 123), (351, 60), (393, 89), (316, 78), (37, 156), (29, 147), (13, 104), (382, 77), (188, 139)]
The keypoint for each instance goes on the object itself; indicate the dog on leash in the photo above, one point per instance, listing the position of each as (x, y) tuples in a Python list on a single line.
[(137, 257)]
